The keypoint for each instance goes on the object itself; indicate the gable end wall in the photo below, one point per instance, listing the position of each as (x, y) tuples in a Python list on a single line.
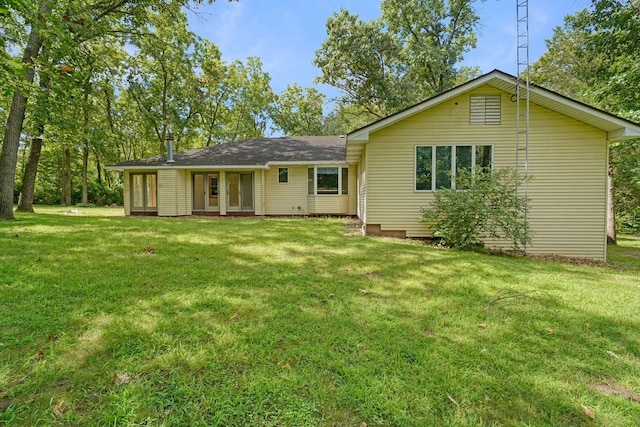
[(567, 159)]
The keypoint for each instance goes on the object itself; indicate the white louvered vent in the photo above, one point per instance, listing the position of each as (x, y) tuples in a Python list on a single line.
[(485, 110)]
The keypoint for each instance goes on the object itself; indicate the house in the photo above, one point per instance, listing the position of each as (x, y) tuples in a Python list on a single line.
[(386, 172), (266, 176)]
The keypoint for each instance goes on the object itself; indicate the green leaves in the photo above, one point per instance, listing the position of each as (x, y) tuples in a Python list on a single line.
[(299, 111), (491, 208), (407, 55)]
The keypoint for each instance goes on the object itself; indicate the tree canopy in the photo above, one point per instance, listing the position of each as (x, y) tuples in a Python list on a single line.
[(409, 54)]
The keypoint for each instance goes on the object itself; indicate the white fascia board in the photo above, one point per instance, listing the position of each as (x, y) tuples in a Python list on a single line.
[(199, 167), (623, 134), (307, 163)]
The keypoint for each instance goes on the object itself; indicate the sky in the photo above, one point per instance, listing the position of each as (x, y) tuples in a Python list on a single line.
[(285, 34)]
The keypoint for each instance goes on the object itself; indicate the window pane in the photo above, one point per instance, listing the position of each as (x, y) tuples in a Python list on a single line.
[(327, 180), (213, 185), (283, 175), (463, 166), (423, 168), (151, 191), (233, 186), (198, 191), (443, 167), (483, 158), (345, 181), (137, 191), (310, 186)]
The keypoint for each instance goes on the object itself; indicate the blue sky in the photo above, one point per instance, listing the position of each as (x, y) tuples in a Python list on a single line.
[(286, 33)]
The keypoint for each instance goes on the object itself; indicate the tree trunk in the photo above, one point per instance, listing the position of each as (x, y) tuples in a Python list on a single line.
[(66, 185), (85, 178), (25, 203), (611, 214), (15, 120)]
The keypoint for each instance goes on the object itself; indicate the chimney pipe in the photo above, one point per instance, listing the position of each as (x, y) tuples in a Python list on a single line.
[(169, 139)]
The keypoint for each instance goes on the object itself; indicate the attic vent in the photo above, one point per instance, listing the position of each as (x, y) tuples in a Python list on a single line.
[(485, 110)]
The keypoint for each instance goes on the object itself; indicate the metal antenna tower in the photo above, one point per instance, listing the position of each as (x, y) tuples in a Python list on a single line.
[(522, 98)]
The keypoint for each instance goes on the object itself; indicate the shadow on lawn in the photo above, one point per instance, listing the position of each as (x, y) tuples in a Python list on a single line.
[(284, 322)]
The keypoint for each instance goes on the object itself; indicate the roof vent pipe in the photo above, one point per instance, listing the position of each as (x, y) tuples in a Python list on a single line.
[(169, 139)]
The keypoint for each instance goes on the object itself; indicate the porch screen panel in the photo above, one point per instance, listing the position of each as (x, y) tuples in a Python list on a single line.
[(198, 191), (247, 191), (213, 190), (137, 190), (152, 195), (234, 189)]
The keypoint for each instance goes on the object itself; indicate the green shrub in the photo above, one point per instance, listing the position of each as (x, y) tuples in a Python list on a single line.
[(490, 207)]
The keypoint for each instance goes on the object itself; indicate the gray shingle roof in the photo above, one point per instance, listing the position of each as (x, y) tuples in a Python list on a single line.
[(254, 152)]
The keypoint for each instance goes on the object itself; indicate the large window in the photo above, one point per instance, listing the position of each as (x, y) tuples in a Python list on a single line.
[(328, 180), (437, 166), (144, 195)]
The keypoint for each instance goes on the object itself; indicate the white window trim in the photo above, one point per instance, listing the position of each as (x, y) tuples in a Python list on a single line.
[(278, 175), (315, 180), (453, 163)]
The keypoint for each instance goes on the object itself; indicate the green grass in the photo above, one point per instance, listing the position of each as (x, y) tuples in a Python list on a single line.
[(106, 320)]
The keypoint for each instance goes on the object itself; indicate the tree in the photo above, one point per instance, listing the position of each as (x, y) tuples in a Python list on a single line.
[(434, 35), (15, 118), (161, 76), (407, 55), (362, 59), (298, 111), (63, 25)]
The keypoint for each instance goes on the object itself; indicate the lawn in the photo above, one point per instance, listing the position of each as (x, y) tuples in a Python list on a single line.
[(106, 320)]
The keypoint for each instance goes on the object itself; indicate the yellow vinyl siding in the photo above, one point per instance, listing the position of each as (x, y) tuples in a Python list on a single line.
[(567, 160), (127, 193), (257, 193), (362, 186), (292, 199), (167, 192), (328, 205), (353, 190), (286, 198)]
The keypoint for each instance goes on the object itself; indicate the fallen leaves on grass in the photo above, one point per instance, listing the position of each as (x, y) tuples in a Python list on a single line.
[(588, 412), (550, 330), (121, 378), (58, 409), (39, 355), (234, 316), (149, 250), (453, 400), (612, 354)]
